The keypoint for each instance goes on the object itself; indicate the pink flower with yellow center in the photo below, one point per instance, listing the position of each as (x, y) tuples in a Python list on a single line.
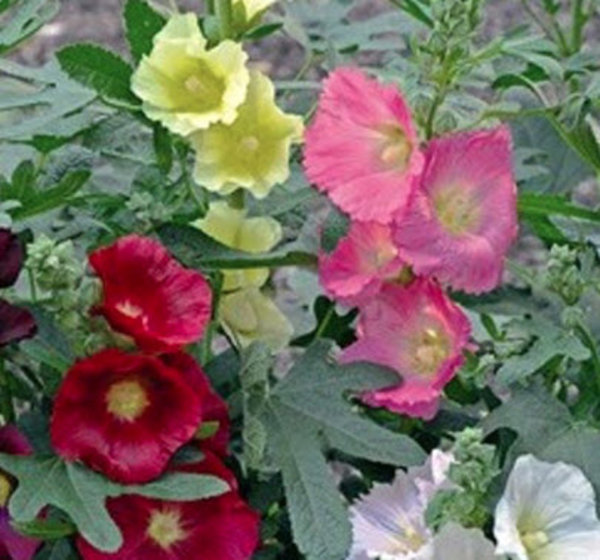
[(417, 331), (464, 219), (362, 149), (362, 261)]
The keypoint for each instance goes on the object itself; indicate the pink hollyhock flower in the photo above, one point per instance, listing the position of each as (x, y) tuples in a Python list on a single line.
[(361, 262), (220, 528), (149, 296), (461, 224), (362, 149), (124, 415), (417, 331), (13, 545)]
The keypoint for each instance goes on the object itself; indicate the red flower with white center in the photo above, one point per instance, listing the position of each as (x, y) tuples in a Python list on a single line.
[(214, 408), (149, 296), (421, 333), (221, 528), (464, 219), (124, 415), (362, 149)]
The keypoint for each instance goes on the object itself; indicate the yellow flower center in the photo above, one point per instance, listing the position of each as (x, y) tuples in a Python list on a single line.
[(5, 489), (534, 541), (165, 528), (395, 148), (127, 400), (408, 540), (194, 85), (431, 349), (456, 210), (250, 143)]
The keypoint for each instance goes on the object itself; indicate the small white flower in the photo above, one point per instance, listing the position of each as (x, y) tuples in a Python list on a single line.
[(389, 523), (548, 512)]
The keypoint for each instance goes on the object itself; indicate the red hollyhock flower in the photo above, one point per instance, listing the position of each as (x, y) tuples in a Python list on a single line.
[(149, 296), (16, 323), (221, 528), (13, 545), (214, 408), (124, 415), (11, 258)]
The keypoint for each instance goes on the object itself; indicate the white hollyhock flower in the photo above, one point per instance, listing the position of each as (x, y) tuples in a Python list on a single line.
[(389, 523), (548, 512), (454, 542)]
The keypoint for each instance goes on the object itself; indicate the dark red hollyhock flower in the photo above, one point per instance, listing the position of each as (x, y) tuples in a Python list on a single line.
[(11, 258), (13, 546), (214, 408), (221, 528), (149, 296), (124, 415), (16, 323)]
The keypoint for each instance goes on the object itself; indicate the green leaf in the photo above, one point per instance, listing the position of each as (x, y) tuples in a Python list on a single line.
[(26, 18), (335, 228), (101, 70), (197, 250), (262, 31), (163, 148), (82, 494), (46, 529), (308, 410), (550, 341), (531, 204), (142, 23), (546, 429)]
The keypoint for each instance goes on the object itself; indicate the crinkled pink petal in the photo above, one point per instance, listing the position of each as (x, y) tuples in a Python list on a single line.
[(14, 545), (477, 166), (391, 332), (343, 152), (355, 271)]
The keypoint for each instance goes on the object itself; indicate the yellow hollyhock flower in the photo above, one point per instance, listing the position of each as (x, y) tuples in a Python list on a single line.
[(184, 85), (231, 227), (254, 151), (248, 316), (253, 7)]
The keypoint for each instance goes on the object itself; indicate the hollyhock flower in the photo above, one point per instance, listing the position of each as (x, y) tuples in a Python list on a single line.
[(11, 258), (186, 86), (13, 545), (417, 331), (362, 261), (221, 528), (149, 296), (214, 408), (389, 522), (461, 224), (16, 323), (547, 512), (248, 316), (124, 414), (457, 543), (254, 151), (362, 149), (232, 227)]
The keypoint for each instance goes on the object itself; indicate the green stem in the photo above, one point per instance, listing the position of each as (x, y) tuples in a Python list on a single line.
[(579, 20), (6, 401), (325, 322), (588, 341), (210, 7), (224, 12)]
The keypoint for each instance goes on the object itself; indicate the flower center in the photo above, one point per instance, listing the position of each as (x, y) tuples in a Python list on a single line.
[(194, 85), (395, 149), (456, 210), (250, 143), (431, 349), (5, 490), (129, 309), (534, 541), (127, 400), (165, 528)]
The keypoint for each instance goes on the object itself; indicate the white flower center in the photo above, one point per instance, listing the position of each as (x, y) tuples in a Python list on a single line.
[(250, 143), (534, 541)]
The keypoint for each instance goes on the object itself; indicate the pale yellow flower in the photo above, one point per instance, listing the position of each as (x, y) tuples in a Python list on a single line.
[(248, 316), (254, 7), (232, 227), (184, 85), (254, 151)]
